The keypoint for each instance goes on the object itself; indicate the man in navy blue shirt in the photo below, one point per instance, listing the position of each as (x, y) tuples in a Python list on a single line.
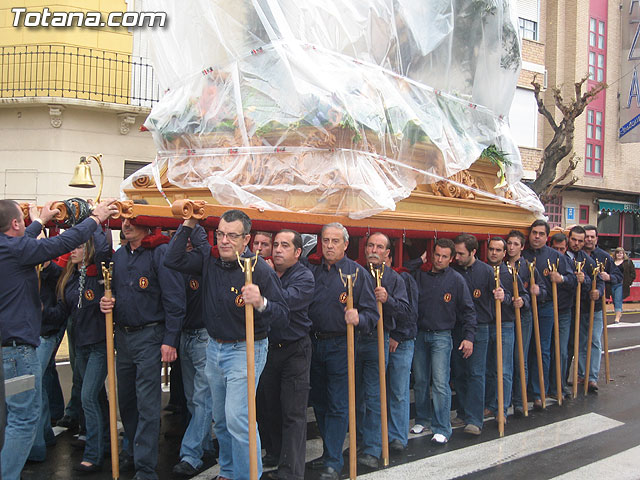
[(444, 303), (21, 314), (329, 317), (285, 379), (393, 295), (612, 275), (469, 373), (224, 295), (546, 257)]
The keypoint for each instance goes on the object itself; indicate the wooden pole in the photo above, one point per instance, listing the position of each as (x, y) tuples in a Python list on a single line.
[(382, 367), (111, 377), (576, 334), (592, 307), (519, 345), (500, 415), (247, 267), (556, 334), (605, 340), (351, 369), (536, 334)]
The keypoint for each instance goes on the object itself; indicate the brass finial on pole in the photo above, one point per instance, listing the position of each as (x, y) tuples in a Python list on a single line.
[(349, 281), (247, 265), (377, 274), (107, 274)]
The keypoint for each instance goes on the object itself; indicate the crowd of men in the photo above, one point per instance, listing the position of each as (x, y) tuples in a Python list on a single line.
[(186, 298)]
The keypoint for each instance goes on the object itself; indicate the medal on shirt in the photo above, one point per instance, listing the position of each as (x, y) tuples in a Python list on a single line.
[(143, 282), (239, 301), (343, 297), (89, 295), (447, 297), (193, 284), (477, 293)]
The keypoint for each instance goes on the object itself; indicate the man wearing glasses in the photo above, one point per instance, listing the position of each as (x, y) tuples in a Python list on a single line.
[(224, 296)]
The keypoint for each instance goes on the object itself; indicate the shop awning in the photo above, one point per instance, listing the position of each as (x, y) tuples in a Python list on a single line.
[(615, 206)]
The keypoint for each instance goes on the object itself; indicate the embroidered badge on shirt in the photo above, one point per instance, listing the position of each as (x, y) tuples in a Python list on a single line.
[(193, 283), (343, 297), (143, 282), (447, 297), (88, 294), (239, 301), (477, 293), (546, 272)]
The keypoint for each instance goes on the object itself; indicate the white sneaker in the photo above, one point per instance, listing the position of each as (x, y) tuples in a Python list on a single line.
[(439, 439), (417, 428)]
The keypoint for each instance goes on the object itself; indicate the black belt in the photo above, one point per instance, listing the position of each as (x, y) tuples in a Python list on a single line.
[(137, 328), (284, 343), (434, 331), (327, 335), (261, 336), (15, 343)]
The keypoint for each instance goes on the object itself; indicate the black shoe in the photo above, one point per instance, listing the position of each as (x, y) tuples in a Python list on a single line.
[(396, 446), (270, 460), (185, 469), (592, 387), (328, 473), (317, 464), (68, 422), (367, 460), (126, 463), (87, 468)]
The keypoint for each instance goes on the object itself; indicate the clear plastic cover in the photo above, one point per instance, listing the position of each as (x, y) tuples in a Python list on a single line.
[(332, 106)]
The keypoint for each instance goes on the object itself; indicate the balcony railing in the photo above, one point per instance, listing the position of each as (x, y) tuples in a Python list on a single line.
[(77, 72)]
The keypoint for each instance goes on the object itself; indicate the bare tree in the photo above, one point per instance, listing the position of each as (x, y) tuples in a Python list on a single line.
[(561, 144)]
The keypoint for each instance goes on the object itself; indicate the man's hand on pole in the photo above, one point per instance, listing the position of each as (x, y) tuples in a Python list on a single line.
[(351, 316)]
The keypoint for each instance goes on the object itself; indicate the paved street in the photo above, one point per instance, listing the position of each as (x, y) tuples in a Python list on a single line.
[(589, 437)]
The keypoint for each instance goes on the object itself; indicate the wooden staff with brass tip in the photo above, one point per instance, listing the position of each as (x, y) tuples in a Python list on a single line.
[(519, 344), (556, 332), (247, 265), (592, 308), (377, 274), (107, 273), (500, 416), (536, 334), (349, 281), (576, 333)]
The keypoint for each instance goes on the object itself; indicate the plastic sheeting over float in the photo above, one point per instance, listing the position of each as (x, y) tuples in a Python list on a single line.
[(332, 106)]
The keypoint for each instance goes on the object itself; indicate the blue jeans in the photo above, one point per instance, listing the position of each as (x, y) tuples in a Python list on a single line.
[(398, 376), (527, 328), (508, 340), (193, 361), (431, 364), (138, 365), (91, 361), (616, 293), (44, 433), (564, 326), (329, 396), (596, 346), (227, 374), (368, 392), (22, 409), (545, 321), (469, 377)]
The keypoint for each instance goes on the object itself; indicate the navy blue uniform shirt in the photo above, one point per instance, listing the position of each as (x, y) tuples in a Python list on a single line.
[(397, 304), (147, 292), (20, 306), (522, 265), (445, 302), (193, 319), (481, 281), (506, 280), (297, 287), (545, 256), (330, 297), (222, 282), (407, 324), (585, 297), (601, 256)]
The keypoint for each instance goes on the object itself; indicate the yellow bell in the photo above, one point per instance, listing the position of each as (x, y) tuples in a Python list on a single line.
[(82, 175)]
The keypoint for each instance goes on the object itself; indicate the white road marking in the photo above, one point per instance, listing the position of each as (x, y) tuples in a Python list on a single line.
[(623, 466), (467, 460)]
